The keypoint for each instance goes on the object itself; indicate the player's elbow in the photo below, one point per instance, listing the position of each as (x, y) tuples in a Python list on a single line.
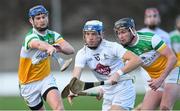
[(69, 51), (172, 59), (72, 51), (35, 44), (138, 60)]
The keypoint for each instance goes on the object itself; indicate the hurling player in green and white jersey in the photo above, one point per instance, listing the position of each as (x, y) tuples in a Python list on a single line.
[(158, 60), (152, 21), (36, 82), (175, 39)]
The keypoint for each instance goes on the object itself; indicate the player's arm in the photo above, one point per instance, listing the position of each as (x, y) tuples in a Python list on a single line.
[(80, 62), (65, 47), (41, 45), (170, 55), (77, 72), (133, 61), (171, 60), (78, 67), (164, 50), (37, 44)]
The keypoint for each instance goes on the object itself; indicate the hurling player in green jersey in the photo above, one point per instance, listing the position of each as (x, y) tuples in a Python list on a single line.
[(35, 79), (158, 60)]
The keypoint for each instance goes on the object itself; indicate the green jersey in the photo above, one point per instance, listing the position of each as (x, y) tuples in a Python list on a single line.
[(29, 72), (148, 46)]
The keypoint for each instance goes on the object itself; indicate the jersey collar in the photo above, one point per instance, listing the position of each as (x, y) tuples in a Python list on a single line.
[(35, 31)]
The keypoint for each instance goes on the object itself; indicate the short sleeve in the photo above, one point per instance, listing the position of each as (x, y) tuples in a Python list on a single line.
[(28, 39), (157, 43), (119, 50), (80, 59), (58, 37)]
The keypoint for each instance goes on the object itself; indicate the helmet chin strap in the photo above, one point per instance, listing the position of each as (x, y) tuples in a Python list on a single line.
[(132, 37), (134, 33)]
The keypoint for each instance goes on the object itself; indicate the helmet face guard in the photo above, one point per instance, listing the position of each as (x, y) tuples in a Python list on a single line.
[(36, 10)]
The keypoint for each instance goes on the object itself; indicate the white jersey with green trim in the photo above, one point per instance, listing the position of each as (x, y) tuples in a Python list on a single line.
[(29, 72), (148, 46), (163, 34)]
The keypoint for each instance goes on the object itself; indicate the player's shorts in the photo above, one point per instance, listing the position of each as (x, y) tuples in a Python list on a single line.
[(33, 92), (124, 98), (173, 77)]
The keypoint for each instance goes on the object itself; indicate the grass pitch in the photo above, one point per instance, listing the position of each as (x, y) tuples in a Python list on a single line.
[(79, 103)]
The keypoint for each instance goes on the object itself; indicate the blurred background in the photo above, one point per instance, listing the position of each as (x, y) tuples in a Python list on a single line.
[(67, 17)]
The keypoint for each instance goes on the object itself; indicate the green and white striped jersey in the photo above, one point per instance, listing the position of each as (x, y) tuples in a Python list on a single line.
[(148, 46), (29, 72)]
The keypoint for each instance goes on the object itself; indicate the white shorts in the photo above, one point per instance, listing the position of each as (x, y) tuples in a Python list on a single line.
[(33, 92), (125, 97), (173, 77)]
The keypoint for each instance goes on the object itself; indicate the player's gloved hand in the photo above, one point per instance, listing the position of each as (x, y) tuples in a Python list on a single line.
[(50, 50), (70, 97)]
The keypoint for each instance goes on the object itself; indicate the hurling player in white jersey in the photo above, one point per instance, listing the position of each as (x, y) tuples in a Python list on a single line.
[(107, 61), (158, 60), (152, 21), (35, 79)]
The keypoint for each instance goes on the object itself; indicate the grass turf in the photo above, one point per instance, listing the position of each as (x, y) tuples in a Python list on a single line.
[(79, 103)]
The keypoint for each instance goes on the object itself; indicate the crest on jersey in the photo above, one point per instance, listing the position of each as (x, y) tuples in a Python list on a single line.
[(102, 69)]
